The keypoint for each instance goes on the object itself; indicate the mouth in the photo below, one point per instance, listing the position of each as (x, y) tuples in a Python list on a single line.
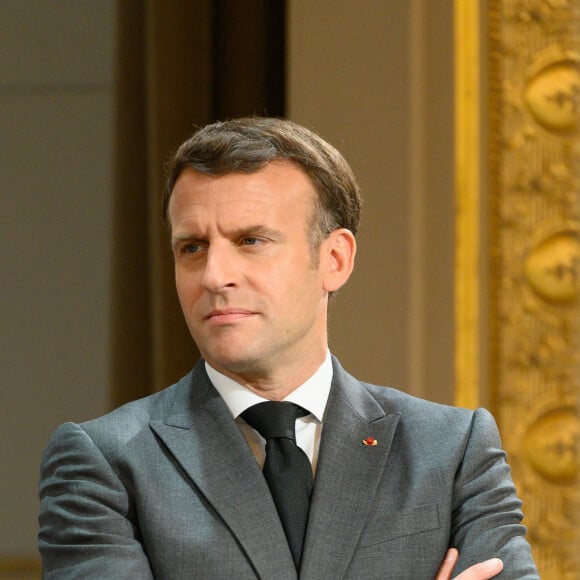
[(228, 315)]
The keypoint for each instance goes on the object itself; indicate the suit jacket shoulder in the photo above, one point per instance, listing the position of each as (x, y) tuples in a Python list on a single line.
[(167, 475)]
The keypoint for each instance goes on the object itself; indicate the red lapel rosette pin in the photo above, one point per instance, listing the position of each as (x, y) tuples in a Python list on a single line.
[(370, 442)]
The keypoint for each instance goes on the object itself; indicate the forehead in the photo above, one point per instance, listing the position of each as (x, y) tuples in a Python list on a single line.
[(280, 186)]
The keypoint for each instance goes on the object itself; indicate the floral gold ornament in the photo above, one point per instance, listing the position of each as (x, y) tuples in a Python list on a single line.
[(553, 267), (370, 442), (552, 96), (552, 445)]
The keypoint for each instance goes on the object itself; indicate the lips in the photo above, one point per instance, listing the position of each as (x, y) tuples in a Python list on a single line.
[(228, 315)]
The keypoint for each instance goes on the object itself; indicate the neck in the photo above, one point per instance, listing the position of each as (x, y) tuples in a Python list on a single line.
[(276, 384)]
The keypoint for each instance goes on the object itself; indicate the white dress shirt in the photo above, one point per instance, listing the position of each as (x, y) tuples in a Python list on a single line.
[(312, 395)]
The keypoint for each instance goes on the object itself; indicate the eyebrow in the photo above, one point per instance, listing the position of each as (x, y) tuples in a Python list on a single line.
[(179, 238), (254, 230), (258, 230)]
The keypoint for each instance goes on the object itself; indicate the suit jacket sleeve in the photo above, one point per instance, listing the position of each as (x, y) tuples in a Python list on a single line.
[(486, 511), (85, 514)]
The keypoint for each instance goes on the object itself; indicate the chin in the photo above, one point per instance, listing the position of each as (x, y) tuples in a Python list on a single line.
[(233, 362)]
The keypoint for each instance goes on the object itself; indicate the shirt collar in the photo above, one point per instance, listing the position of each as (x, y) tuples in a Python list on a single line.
[(312, 395)]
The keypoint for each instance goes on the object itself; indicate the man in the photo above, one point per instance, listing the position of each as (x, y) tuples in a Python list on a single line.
[(263, 216)]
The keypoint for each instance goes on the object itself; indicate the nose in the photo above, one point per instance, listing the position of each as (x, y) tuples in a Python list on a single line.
[(219, 272)]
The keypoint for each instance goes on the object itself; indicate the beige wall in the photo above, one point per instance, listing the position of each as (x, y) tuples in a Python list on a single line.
[(369, 75), (375, 78), (55, 143)]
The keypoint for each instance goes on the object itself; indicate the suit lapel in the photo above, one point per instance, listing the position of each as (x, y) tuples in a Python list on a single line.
[(347, 476), (203, 437)]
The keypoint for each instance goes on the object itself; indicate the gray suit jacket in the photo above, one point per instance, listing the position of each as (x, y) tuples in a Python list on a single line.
[(166, 487)]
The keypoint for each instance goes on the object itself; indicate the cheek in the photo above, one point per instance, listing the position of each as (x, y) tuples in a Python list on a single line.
[(188, 288), (296, 285)]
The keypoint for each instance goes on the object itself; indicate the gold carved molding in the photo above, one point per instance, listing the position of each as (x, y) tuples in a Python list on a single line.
[(533, 210)]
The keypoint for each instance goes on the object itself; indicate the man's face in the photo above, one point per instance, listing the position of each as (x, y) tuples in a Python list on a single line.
[(253, 300)]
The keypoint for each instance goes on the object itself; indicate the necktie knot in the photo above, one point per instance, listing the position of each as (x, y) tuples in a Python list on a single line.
[(274, 419)]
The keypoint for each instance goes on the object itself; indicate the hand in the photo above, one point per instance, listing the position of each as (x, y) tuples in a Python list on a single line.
[(481, 571)]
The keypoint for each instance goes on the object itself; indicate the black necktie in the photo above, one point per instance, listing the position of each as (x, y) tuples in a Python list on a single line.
[(287, 468)]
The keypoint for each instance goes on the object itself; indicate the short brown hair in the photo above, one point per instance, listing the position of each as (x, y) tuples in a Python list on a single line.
[(248, 144)]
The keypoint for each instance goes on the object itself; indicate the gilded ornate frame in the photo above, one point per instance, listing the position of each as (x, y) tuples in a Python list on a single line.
[(533, 243)]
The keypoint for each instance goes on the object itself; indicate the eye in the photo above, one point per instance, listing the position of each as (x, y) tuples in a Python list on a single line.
[(251, 241), (189, 248)]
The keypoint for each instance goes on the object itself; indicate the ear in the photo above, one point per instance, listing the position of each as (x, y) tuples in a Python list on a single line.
[(338, 252)]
